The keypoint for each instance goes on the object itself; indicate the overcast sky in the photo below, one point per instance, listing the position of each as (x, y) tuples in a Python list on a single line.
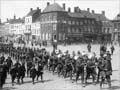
[(21, 7)]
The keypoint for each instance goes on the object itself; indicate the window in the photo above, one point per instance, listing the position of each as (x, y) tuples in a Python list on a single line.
[(85, 21), (46, 36), (77, 31), (69, 22), (54, 17), (49, 36), (59, 36), (92, 22), (69, 31), (81, 22), (108, 30), (54, 26), (73, 22), (77, 23), (73, 30), (43, 36), (89, 29), (80, 30)]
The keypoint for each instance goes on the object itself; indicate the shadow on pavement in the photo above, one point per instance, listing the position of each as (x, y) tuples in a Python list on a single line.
[(112, 88), (44, 81), (8, 88), (115, 70)]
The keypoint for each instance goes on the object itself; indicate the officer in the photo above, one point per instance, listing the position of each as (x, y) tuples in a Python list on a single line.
[(33, 73)]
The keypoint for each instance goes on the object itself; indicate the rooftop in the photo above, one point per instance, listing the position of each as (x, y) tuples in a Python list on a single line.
[(100, 17), (31, 12), (117, 17), (12, 21), (53, 7)]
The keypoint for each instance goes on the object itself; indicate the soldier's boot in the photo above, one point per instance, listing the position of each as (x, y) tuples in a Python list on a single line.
[(102, 82), (18, 81), (22, 80), (109, 83), (33, 81), (37, 78)]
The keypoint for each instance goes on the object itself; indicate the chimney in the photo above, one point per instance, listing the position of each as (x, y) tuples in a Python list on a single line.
[(14, 16), (69, 9), (78, 9), (31, 9), (93, 11), (0, 21), (64, 6), (37, 8), (75, 9), (103, 13), (88, 9), (48, 3), (40, 10), (7, 20)]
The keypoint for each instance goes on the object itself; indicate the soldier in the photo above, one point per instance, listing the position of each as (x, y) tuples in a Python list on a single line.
[(3, 74), (13, 73), (29, 66), (112, 49), (89, 47), (91, 69), (33, 73), (40, 71), (21, 73), (17, 64), (9, 63), (106, 71), (99, 67), (2, 59)]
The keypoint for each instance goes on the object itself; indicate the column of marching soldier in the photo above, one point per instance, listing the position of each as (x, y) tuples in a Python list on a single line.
[(35, 61)]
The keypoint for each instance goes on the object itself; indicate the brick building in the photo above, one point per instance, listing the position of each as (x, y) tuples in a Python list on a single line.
[(78, 26), (116, 33)]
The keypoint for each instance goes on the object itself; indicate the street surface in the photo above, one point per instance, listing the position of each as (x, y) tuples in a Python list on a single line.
[(53, 82)]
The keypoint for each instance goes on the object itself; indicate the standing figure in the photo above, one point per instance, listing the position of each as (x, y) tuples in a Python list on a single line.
[(3, 75), (9, 63), (112, 49), (13, 73), (33, 73), (89, 47), (106, 71), (40, 71)]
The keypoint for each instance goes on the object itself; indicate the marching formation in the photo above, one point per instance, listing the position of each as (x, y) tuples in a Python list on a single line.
[(33, 62)]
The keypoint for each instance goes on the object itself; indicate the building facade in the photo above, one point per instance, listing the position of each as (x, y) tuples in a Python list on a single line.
[(116, 33), (31, 26), (57, 23), (78, 26)]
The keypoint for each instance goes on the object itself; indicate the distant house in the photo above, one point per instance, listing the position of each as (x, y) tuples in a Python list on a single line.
[(32, 26), (116, 33)]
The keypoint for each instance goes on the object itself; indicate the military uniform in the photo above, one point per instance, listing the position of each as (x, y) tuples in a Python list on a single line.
[(13, 73), (33, 73)]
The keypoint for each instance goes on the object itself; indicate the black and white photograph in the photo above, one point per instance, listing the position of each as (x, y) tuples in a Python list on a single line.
[(59, 44)]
